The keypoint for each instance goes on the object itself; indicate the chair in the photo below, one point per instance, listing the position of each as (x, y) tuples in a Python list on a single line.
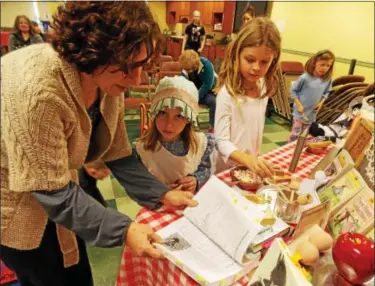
[(291, 68), (155, 66), (135, 102), (281, 100), (169, 69), (339, 100), (145, 119), (348, 79), (291, 72), (370, 89), (171, 66), (163, 59), (145, 85), (4, 37)]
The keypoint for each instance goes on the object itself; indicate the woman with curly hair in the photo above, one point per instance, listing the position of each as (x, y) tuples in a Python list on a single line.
[(24, 34), (61, 108)]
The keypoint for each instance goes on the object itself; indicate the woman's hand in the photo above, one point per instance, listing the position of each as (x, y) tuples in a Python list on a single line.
[(188, 183), (259, 166), (178, 198), (139, 239), (97, 173)]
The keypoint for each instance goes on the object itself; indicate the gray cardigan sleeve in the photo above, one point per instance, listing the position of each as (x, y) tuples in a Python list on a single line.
[(72, 208), (138, 182), (102, 226)]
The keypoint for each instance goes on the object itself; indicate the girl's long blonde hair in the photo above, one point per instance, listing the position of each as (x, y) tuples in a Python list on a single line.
[(260, 31)]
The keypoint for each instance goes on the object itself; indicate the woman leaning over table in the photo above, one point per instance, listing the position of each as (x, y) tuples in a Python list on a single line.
[(62, 107)]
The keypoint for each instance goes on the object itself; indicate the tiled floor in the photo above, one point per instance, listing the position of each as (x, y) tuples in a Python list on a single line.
[(105, 262)]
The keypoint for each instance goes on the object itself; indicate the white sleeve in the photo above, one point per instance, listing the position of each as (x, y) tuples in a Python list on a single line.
[(223, 120)]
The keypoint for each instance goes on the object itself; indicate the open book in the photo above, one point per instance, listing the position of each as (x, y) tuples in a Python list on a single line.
[(210, 243)]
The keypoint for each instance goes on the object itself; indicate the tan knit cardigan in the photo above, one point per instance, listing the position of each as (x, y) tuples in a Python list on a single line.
[(45, 134)]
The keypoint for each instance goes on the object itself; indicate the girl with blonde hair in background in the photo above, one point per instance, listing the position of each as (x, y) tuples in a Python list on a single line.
[(246, 81), (310, 91)]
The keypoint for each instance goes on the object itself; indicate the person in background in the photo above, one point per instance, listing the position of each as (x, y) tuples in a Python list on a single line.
[(24, 34), (37, 30), (248, 14), (201, 72), (310, 90), (195, 35), (246, 81), (62, 106)]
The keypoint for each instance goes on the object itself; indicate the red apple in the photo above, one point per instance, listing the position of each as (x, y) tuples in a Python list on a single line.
[(353, 254)]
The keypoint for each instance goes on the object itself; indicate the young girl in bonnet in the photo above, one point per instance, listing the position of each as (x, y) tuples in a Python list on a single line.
[(171, 149)]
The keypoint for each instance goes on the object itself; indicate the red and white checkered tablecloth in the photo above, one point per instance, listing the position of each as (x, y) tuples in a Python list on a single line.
[(143, 271)]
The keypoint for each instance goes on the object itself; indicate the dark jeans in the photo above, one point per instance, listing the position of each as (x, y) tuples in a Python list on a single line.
[(210, 100), (44, 266)]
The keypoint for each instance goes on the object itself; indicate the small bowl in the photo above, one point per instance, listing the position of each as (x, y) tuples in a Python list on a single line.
[(316, 151), (256, 183)]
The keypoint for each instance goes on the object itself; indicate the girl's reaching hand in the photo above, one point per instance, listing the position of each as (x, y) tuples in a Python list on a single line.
[(260, 166), (189, 183)]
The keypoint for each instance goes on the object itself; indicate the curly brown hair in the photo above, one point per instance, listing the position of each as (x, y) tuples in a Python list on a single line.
[(17, 24), (92, 34)]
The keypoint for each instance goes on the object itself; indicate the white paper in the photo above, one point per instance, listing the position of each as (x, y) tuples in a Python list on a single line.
[(202, 257), (223, 215)]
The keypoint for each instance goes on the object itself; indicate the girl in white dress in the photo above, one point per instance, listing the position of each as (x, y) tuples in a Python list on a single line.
[(246, 81)]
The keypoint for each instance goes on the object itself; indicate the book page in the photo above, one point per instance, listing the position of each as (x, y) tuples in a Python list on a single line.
[(342, 189), (196, 254), (222, 216), (357, 215)]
